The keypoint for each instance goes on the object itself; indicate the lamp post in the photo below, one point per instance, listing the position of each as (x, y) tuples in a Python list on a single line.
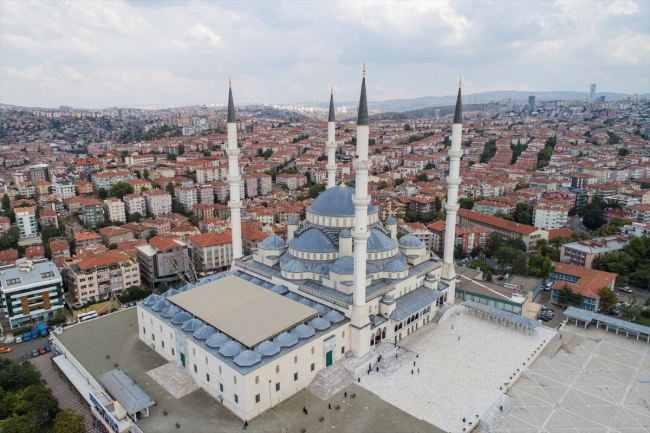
[(270, 402)]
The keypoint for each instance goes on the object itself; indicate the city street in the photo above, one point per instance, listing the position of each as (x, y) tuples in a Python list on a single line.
[(21, 351)]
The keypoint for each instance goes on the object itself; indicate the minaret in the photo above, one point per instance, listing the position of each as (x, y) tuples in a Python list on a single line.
[(360, 323), (331, 145), (453, 180), (234, 179)]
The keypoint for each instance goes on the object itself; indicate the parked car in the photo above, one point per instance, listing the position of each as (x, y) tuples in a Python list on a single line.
[(5, 349), (47, 348), (18, 340), (545, 318), (625, 289), (35, 353), (41, 351)]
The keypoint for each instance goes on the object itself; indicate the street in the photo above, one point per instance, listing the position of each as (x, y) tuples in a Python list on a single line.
[(641, 295), (19, 350)]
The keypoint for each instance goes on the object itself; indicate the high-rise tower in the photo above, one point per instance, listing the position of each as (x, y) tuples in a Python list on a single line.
[(592, 93), (448, 275), (331, 145), (234, 178), (360, 324)]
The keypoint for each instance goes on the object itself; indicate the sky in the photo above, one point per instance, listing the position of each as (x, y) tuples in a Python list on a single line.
[(138, 53)]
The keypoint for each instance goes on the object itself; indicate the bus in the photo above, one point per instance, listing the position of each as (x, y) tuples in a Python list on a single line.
[(87, 316)]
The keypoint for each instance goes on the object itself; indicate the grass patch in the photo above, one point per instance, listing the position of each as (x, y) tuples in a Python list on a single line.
[(645, 321)]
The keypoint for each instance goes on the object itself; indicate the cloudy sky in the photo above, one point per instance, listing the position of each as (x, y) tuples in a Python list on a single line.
[(138, 53)]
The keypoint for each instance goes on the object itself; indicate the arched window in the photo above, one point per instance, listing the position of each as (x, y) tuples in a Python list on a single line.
[(383, 333), (396, 326), (257, 380), (295, 359)]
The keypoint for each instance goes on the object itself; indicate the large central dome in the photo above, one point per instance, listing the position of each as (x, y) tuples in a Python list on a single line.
[(337, 202)]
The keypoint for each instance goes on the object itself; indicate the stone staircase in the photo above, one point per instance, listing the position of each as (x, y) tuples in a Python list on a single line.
[(330, 381), (526, 373), (441, 312), (358, 367), (493, 417), (570, 344), (175, 379)]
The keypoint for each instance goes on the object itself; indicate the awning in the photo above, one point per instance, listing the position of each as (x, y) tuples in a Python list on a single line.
[(413, 302), (123, 389)]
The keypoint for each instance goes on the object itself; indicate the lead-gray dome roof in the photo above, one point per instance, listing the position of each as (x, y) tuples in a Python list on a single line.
[(192, 325), (293, 221), (151, 299), (231, 349), (303, 331), (345, 233), (379, 242), (204, 332), (320, 323), (410, 241), (170, 311), (267, 348), (334, 316), (313, 241), (247, 358), (181, 317), (217, 340), (337, 202), (161, 305), (343, 265), (391, 221), (285, 339), (274, 242)]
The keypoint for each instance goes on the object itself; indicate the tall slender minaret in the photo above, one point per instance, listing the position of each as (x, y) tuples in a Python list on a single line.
[(234, 179), (331, 145), (453, 180), (360, 323)]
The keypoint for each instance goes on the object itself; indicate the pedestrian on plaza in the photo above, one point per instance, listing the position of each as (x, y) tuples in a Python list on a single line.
[(459, 338), (368, 372), (413, 363), (417, 355), (245, 425), (411, 371), (329, 406), (501, 408), (379, 359), (370, 366), (396, 356), (560, 336), (345, 394), (463, 419), (377, 369), (452, 326), (418, 371), (304, 410)]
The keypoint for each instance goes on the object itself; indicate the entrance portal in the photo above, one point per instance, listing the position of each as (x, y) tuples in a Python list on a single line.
[(328, 359), (183, 359)]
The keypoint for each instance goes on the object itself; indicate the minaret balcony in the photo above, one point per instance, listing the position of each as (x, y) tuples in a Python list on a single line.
[(453, 182), (362, 165), (234, 179), (233, 152), (360, 236), (360, 201)]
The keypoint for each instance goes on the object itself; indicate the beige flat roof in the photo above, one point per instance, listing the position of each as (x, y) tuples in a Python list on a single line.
[(245, 311)]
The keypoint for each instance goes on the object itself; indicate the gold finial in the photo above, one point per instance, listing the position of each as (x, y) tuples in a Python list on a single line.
[(460, 81), (332, 89), (364, 70), (229, 82)]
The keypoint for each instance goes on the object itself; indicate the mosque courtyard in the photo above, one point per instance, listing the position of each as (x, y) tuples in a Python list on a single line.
[(458, 377)]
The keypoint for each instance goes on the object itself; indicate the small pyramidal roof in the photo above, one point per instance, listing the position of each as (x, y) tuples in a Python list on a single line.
[(231, 105), (362, 120), (458, 115), (331, 116)]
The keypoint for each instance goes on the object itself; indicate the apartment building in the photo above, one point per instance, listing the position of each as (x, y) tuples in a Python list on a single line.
[(158, 202), (204, 194), (83, 164), (60, 248), (92, 212), (490, 207), (139, 185), (65, 189), (186, 195), (87, 239), (26, 221), (95, 276), (470, 237), (291, 181), (549, 217), (31, 292), (107, 179), (641, 212), (529, 235), (211, 251), (588, 253), (140, 159), (264, 184), (114, 235), (160, 259), (84, 187), (134, 203), (586, 282), (211, 173), (114, 210)]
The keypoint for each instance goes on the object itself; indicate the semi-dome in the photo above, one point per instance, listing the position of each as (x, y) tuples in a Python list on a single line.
[(247, 358), (272, 243), (204, 332), (320, 323), (307, 302), (303, 331), (379, 242), (192, 325), (231, 349), (343, 265), (313, 241), (161, 305), (410, 241), (391, 221), (293, 221), (267, 348), (336, 202), (285, 339), (217, 340), (334, 316), (181, 317), (170, 311), (322, 309), (396, 265), (151, 299), (294, 265)]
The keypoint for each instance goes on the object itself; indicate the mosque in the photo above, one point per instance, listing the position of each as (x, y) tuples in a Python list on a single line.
[(340, 285)]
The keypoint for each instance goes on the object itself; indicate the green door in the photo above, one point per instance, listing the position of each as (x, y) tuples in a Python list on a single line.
[(183, 359), (328, 359)]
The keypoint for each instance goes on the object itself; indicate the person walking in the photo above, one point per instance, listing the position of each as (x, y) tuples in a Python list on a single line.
[(560, 336), (304, 410), (396, 356), (418, 371), (377, 369), (413, 363), (245, 425), (411, 371), (463, 419), (345, 394), (501, 408), (459, 338), (329, 406), (452, 326)]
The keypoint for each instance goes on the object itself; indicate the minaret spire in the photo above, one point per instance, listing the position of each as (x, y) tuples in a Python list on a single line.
[(453, 181), (331, 144), (360, 323), (234, 178)]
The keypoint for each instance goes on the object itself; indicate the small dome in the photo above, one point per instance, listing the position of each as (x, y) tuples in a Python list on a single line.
[(396, 265), (170, 292), (292, 296), (217, 340), (246, 277), (343, 265), (345, 233), (410, 241), (322, 309), (391, 221), (181, 317), (231, 349), (285, 339), (307, 302), (170, 311), (192, 325), (334, 316), (272, 243), (372, 269), (161, 305), (313, 241), (151, 299), (293, 265), (379, 242), (257, 281), (279, 289), (303, 331), (267, 285), (431, 276), (387, 298), (204, 332), (293, 221), (267, 348), (320, 323), (247, 358), (337, 202)]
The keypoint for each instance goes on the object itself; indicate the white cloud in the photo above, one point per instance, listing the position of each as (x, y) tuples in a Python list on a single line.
[(202, 33)]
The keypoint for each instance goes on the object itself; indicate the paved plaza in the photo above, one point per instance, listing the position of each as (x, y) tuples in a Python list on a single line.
[(458, 378), (602, 386)]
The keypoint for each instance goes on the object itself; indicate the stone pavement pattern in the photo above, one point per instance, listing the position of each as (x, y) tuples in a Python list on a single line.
[(601, 386), (458, 378)]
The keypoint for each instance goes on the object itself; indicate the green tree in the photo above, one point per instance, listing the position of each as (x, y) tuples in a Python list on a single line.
[(465, 203), (102, 193), (458, 252), (623, 151), (438, 204), (382, 185), (177, 207), (398, 182), (18, 424), (181, 149), (120, 189), (631, 311), (135, 217), (112, 246), (495, 241), (592, 216), (37, 402), (69, 421), (267, 153), (6, 203), (523, 214), (488, 276), (162, 287), (145, 174), (540, 266), (638, 248), (565, 295), (607, 298), (407, 127), (503, 216), (422, 177), (170, 188), (315, 190), (618, 262), (152, 234)]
